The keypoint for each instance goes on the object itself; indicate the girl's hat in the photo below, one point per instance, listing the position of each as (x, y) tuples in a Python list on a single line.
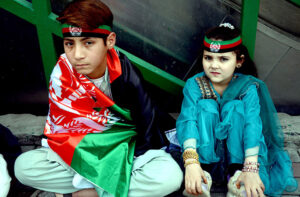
[(220, 46), (73, 31)]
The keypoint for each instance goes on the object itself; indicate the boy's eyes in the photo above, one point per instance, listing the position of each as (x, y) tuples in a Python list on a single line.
[(88, 42), (68, 44)]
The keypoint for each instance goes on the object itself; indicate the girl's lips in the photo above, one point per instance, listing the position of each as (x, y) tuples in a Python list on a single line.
[(215, 73)]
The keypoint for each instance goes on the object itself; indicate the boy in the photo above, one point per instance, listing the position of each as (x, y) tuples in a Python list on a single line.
[(91, 138)]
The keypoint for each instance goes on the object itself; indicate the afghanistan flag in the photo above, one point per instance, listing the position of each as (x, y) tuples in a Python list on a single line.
[(88, 130)]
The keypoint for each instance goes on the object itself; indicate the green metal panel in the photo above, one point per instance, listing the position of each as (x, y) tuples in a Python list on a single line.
[(42, 9), (38, 13), (20, 8), (250, 9), (297, 2), (155, 75)]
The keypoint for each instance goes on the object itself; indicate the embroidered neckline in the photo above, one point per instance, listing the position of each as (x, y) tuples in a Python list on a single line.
[(206, 89)]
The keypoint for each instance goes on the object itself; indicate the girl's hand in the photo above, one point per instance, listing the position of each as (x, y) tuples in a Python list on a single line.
[(253, 185), (193, 179)]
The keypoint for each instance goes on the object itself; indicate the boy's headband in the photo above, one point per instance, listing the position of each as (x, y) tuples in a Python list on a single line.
[(221, 46), (73, 31)]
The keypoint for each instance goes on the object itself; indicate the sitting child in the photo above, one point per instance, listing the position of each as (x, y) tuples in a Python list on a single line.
[(104, 133), (229, 125)]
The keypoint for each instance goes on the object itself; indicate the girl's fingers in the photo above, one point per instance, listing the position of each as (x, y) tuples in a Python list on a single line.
[(262, 186), (248, 191), (238, 184), (188, 187), (253, 192), (193, 187), (198, 187), (204, 179), (260, 192)]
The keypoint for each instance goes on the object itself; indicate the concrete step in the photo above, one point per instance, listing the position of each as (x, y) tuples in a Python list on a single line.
[(29, 130)]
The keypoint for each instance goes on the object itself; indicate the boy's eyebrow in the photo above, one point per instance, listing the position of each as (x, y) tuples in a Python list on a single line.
[(67, 39), (85, 38), (81, 39)]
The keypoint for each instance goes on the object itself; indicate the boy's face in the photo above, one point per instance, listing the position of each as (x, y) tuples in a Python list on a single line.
[(87, 55)]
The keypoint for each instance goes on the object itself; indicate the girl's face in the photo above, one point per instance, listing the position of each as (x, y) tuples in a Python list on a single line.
[(219, 67)]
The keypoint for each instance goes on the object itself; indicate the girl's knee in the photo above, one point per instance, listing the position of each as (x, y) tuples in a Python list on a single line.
[(234, 105), (208, 105)]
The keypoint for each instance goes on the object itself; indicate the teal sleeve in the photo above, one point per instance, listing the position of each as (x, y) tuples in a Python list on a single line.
[(253, 124), (186, 124)]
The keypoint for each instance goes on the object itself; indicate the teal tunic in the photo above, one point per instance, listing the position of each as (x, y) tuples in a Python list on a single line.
[(245, 118)]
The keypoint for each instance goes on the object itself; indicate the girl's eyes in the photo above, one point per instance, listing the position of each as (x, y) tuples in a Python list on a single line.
[(223, 59), (207, 58)]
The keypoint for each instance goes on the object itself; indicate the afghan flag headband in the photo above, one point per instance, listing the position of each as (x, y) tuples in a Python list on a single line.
[(221, 46), (73, 31)]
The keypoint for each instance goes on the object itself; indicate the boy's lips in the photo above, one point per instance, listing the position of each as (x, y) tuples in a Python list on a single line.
[(81, 65)]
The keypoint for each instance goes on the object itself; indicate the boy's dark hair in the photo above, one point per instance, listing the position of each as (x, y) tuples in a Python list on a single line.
[(87, 14), (225, 33)]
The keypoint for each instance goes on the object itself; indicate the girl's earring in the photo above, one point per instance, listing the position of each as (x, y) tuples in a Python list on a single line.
[(238, 66)]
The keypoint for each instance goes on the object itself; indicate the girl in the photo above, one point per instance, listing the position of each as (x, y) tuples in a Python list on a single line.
[(229, 125)]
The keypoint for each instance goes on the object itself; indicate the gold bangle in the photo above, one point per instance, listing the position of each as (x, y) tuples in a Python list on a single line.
[(190, 154), (193, 161)]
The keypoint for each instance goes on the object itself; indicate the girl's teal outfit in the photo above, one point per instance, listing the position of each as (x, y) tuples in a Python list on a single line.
[(245, 119)]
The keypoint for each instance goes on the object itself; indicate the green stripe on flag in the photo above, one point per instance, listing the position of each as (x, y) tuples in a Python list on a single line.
[(105, 159), (125, 113)]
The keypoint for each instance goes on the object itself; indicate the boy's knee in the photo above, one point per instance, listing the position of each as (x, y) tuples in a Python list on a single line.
[(172, 177), (19, 166), (22, 168)]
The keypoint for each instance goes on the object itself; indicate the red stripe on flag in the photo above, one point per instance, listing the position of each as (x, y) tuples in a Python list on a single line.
[(64, 144), (114, 65)]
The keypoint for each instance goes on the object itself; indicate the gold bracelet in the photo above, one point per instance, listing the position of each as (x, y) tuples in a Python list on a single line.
[(193, 161), (190, 154)]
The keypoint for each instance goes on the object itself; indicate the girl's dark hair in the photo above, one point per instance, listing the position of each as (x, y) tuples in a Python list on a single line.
[(225, 33)]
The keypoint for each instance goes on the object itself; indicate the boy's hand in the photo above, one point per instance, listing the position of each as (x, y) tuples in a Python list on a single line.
[(253, 185), (193, 179)]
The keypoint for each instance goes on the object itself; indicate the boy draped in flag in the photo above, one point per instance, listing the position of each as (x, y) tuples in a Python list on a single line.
[(104, 135)]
